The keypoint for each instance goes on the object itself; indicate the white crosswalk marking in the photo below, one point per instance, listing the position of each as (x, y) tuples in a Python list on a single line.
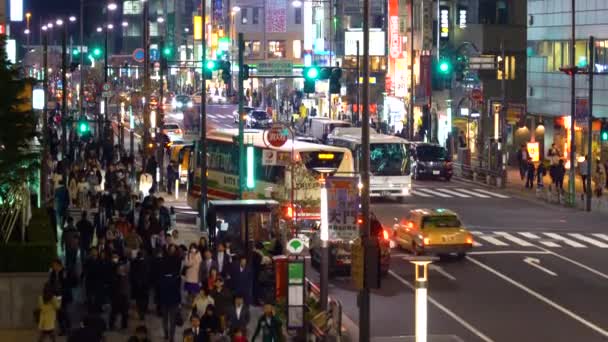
[(589, 240), (601, 236), (489, 239), (429, 191), (419, 193), (514, 238), (567, 241), (536, 237), (495, 194), (476, 194), (447, 191)]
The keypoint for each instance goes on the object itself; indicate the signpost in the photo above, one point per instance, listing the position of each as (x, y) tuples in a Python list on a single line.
[(295, 246), (343, 207), (138, 55), (277, 135), (275, 68), (295, 293)]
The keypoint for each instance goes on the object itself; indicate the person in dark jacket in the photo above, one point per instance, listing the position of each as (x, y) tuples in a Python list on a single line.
[(210, 323), (195, 332), (222, 259), (70, 244), (92, 271), (238, 315), (87, 231), (222, 296), (120, 297), (241, 280), (269, 325), (61, 283), (171, 176), (530, 172), (560, 172), (61, 203), (141, 335), (140, 283), (170, 294)]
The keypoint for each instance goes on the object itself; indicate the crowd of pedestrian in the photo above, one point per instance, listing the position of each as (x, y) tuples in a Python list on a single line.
[(124, 252)]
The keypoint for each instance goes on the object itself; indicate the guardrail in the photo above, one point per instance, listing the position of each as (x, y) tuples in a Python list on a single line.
[(477, 171), (325, 325)]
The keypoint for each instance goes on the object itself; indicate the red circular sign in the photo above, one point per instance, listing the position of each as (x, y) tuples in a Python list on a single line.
[(277, 135)]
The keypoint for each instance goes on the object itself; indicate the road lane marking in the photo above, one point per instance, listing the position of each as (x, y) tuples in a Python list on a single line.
[(441, 271), (448, 191), (534, 262), (565, 240), (428, 191), (601, 236), (589, 240), (536, 237), (495, 194), (489, 239), (514, 239), (540, 297), (507, 252), (445, 310), (418, 193), (476, 194), (574, 262)]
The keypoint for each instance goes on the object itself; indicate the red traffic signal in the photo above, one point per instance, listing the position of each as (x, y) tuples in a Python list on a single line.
[(570, 70)]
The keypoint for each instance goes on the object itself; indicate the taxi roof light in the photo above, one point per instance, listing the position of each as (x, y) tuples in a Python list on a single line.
[(326, 156)]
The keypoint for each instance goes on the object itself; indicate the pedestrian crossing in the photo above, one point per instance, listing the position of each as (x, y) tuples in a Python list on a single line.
[(220, 116), (539, 239), (456, 193)]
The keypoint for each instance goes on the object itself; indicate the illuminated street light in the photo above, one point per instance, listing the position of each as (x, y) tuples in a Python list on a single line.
[(110, 26), (59, 22), (112, 6), (49, 25), (26, 31), (236, 9), (186, 29), (72, 18), (421, 266), (44, 28), (125, 24), (160, 19), (296, 3), (99, 29)]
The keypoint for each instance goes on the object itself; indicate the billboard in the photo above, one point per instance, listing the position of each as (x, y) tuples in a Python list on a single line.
[(342, 207), (376, 46), (16, 7)]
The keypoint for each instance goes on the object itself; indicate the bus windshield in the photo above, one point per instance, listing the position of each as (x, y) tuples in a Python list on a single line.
[(388, 159)]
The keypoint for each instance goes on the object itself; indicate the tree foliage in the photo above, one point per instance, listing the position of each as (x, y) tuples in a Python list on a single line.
[(19, 158)]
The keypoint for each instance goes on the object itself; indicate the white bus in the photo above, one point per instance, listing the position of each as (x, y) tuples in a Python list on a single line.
[(273, 175), (389, 161)]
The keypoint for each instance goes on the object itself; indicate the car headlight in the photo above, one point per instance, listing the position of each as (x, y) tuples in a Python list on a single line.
[(190, 104)]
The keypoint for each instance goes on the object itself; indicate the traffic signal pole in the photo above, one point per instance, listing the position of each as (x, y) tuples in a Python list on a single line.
[(572, 173), (146, 47), (44, 186), (203, 125), (590, 123), (64, 98), (160, 114), (241, 114), (364, 294)]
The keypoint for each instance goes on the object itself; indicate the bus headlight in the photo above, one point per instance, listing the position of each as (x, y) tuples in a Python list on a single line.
[(405, 191)]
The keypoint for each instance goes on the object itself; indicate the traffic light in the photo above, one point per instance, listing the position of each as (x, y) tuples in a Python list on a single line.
[(76, 52), (604, 132), (208, 69), (167, 51), (97, 52), (245, 72), (334, 80), (311, 75), (445, 66), (226, 67), (460, 67), (83, 126), (250, 180)]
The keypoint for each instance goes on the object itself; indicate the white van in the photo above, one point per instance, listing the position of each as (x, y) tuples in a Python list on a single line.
[(320, 128)]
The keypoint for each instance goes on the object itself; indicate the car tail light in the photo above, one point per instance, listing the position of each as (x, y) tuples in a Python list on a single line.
[(448, 165), (426, 241), (178, 131), (409, 225), (385, 235), (470, 240)]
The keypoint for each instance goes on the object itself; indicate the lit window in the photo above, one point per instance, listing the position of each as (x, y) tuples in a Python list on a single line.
[(253, 49), (255, 16), (132, 7), (276, 49), (243, 16), (297, 49)]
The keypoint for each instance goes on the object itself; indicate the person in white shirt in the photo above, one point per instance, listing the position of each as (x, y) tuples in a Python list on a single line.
[(201, 301)]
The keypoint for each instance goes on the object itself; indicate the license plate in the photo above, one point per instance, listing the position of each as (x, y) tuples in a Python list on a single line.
[(435, 172), (385, 193), (446, 238)]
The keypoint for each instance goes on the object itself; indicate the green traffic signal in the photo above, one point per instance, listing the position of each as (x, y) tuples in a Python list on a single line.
[(444, 67), (97, 52), (311, 73), (76, 52), (167, 51), (210, 65), (604, 136), (83, 126)]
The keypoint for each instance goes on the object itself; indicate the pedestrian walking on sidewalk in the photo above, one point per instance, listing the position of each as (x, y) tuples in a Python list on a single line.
[(584, 170), (141, 335), (540, 175), (522, 160), (92, 272), (61, 283), (190, 270), (119, 298), (560, 172), (140, 275), (269, 326), (599, 178), (86, 231), (48, 305), (530, 172)]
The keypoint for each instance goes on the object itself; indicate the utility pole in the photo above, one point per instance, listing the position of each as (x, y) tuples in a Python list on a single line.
[(590, 123), (503, 112), (355, 121), (572, 173), (45, 143), (410, 113), (105, 76), (203, 143), (64, 98), (81, 53), (364, 294), (241, 121), (146, 47), (160, 112)]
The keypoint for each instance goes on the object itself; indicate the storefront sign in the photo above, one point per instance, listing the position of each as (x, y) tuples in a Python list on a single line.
[(462, 17), (581, 115), (342, 207), (444, 23), (534, 151), (376, 46), (395, 47), (277, 135)]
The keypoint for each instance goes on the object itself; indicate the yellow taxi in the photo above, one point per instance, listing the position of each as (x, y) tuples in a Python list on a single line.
[(434, 232)]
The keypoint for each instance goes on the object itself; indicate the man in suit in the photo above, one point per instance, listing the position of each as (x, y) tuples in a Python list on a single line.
[(242, 280), (238, 316), (222, 259), (206, 265), (195, 331)]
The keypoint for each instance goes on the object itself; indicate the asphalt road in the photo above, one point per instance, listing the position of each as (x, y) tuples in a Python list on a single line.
[(538, 272)]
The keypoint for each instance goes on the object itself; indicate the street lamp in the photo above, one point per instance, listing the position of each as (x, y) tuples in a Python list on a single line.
[(296, 3), (72, 18), (421, 267), (160, 20), (125, 24), (99, 29), (112, 6)]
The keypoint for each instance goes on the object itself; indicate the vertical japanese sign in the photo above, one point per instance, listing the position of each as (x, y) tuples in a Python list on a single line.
[(343, 207), (423, 89), (444, 23), (395, 47), (581, 114)]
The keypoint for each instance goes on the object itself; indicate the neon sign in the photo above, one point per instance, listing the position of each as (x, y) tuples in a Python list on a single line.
[(444, 15)]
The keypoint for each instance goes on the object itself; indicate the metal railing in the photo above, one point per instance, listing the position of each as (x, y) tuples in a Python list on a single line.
[(325, 325)]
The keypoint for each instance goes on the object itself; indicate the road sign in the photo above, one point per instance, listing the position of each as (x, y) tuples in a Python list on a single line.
[(138, 55), (357, 262), (477, 95), (295, 246), (269, 157), (342, 207), (483, 62), (295, 293), (106, 94), (277, 135), (106, 86), (275, 68)]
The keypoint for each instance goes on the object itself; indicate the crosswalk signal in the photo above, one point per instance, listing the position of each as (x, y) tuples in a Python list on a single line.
[(83, 126), (245, 72), (334, 80), (311, 74), (604, 132), (208, 69)]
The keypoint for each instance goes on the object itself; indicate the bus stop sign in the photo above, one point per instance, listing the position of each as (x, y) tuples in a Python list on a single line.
[(277, 135)]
